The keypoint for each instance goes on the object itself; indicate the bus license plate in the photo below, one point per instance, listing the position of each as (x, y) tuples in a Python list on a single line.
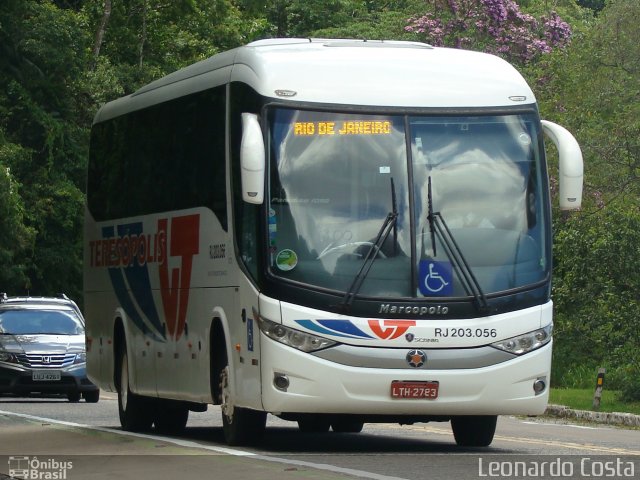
[(46, 376), (422, 390)]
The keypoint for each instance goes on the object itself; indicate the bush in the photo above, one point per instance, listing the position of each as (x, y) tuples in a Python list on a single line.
[(597, 317), (630, 388)]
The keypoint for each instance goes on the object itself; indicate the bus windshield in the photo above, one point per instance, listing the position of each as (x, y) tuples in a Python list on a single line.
[(336, 180)]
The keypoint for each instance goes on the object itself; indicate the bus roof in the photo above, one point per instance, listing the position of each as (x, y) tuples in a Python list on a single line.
[(346, 72)]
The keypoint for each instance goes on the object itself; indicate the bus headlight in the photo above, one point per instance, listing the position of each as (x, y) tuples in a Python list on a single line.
[(527, 342), (293, 338)]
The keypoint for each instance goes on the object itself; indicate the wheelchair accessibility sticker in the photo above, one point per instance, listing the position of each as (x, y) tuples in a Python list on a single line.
[(435, 279)]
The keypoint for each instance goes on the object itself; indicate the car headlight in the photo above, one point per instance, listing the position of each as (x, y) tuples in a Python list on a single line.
[(7, 357), (80, 358), (527, 342), (292, 337)]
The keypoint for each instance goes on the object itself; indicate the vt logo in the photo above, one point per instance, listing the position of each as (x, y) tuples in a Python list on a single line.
[(390, 329), (175, 282)]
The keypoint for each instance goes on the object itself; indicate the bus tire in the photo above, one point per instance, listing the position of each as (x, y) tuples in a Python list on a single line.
[(171, 418), (241, 426), (474, 430), (135, 412)]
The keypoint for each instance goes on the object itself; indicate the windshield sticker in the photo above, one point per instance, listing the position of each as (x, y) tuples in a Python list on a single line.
[(273, 226), (524, 139), (435, 278), (286, 260)]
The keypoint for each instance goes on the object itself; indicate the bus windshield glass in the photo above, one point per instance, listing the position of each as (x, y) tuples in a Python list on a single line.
[(337, 179)]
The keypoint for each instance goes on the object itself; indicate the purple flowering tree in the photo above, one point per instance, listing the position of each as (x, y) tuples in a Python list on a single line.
[(494, 26)]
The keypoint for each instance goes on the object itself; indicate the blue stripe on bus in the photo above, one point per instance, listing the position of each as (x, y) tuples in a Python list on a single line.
[(138, 279), (124, 299), (338, 328)]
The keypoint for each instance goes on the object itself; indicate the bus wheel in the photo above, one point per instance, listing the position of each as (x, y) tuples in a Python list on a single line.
[(314, 424), (241, 426), (474, 431), (347, 425), (171, 418), (135, 412)]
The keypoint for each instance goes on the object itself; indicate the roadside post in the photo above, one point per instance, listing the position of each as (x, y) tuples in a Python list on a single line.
[(599, 385)]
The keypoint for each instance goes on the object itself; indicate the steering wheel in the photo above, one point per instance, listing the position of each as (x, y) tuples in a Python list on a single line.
[(329, 250)]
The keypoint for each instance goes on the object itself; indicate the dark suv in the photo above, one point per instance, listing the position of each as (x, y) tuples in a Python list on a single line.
[(42, 348)]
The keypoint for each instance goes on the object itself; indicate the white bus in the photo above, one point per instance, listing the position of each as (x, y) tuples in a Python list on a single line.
[(334, 232)]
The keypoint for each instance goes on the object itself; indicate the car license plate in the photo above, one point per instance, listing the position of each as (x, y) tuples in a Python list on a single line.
[(421, 390), (46, 375)]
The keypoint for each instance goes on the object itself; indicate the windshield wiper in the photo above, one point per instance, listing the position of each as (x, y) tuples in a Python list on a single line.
[(439, 229), (388, 225), (431, 219)]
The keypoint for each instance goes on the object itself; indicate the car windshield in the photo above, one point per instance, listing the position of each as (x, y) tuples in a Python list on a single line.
[(336, 177), (39, 322)]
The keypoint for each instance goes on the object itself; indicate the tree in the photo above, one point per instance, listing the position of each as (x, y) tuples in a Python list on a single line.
[(380, 21), (299, 18), (43, 148), (137, 41), (101, 30), (59, 61), (596, 293), (595, 5), (594, 90), (16, 239), (494, 26)]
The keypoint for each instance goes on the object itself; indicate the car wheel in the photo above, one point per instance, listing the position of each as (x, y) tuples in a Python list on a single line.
[(92, 396), (73, 397)]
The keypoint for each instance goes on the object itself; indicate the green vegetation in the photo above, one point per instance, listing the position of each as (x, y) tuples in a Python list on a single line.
[(61, 59), (582, 399)]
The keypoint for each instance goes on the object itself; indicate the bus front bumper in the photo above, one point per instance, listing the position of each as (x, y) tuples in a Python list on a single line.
[(316, 385)]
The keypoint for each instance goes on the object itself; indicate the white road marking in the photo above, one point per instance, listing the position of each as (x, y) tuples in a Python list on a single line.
[(221, 450), (568, 425)]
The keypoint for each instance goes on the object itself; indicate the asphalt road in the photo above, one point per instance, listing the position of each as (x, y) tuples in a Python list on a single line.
[(88, 435)]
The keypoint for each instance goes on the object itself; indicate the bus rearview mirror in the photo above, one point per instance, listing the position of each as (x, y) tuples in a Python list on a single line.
[(252, 159), (570, 165)]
